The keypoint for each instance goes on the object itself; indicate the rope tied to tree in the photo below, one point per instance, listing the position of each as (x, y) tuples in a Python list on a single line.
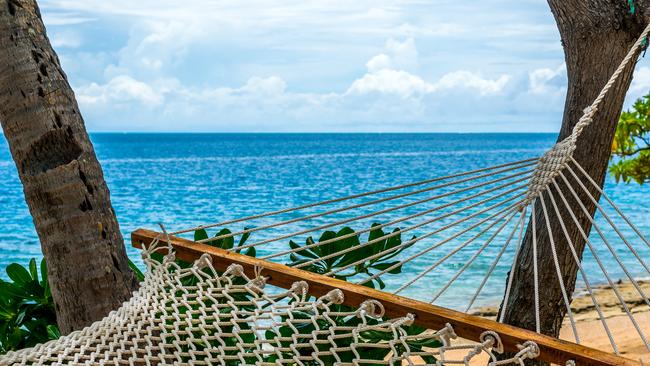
[(555, 160)]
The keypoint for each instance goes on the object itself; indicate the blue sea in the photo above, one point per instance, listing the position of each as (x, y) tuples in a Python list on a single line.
[(183, 180)]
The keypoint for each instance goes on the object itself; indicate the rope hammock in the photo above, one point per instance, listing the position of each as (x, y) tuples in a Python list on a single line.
[(231, 312), (230, 319)]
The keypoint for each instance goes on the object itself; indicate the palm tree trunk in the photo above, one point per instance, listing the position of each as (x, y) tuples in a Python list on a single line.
[(63, 182), (596, 35)]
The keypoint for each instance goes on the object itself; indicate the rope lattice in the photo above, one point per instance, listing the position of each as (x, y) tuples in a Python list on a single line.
[(195, 316)]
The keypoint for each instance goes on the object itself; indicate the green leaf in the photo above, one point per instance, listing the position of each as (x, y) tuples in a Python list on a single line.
[(44, 280), (251, 252), (32, 269), (376, 234), (244, 237), (200, 234), (385, 265), (18, 274), (304, 252), (53, 332), (350, 242), (328, 248), (138, 273), (223, 243)]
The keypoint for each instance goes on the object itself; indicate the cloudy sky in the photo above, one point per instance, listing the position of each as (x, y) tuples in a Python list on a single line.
[(321, 65)]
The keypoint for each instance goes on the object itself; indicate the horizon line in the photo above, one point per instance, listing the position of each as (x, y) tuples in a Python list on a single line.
[(325, 132)]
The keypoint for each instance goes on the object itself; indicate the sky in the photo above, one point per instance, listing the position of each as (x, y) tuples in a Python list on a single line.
[(314, 66)]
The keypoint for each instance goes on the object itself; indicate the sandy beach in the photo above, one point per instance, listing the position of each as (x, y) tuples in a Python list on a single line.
[(589, 324)]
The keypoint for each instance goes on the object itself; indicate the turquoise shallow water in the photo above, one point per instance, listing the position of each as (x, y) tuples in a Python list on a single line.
[(187, 179)]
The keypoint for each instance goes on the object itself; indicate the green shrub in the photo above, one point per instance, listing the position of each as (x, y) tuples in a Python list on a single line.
[(631, 144), (27, 315)]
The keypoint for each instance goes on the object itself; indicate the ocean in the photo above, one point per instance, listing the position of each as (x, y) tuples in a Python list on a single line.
[(187, 179)]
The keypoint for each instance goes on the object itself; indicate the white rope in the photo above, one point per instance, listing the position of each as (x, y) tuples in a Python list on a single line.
[(578, 262), (520, 223), (410, 228), (369, 203), (390, 223), (502, 213), (515, 260), (604, 238), (596, 257), (229, 319), (558, 271), (618, 210), (609, 221), (470, 261), (326, 202), (535, 270), (590, 111), (449, 254), (416, 239)]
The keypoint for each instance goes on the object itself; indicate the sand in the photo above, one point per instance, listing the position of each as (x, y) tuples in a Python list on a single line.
[(590, 327)]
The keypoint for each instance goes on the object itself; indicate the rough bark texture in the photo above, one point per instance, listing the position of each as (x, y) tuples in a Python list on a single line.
[(63, 182), (596, 35)]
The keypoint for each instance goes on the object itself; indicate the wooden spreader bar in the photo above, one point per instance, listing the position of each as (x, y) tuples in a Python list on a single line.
[(430, 316)]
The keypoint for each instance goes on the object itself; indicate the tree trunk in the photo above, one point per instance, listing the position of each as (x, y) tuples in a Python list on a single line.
[(62, 179), (596, 35)]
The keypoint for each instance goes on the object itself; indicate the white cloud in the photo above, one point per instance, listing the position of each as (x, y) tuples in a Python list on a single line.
[(379, 62), (383, 90), (120, 89), (546, 80), (53, 19), (317, 65), (66, 38), (391, 81), (386, 74), (641, 81), (470, 81)]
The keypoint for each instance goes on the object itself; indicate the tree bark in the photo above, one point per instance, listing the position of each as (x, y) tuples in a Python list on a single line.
[(596, 35), (63, 182)]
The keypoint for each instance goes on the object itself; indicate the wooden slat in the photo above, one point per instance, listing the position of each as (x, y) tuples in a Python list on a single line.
[(434, 317)]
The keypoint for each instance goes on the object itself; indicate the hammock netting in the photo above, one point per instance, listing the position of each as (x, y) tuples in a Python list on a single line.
[(194, 315), (437, 229)]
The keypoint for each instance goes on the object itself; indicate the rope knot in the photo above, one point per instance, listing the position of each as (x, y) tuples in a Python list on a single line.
[(448, 331), (492, 338), (549, 167), (528, 350), (258, 282), (204, 261), (169, 258), (372, 308), (335, 296), (235, 270), (300, 288)]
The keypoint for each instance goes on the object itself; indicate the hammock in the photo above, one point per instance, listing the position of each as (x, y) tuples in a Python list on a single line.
[(230, 319), (228, 308)]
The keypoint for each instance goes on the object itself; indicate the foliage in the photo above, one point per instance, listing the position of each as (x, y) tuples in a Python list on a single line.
[(27, 315), (631, 145), (323, 258), (371, 336)]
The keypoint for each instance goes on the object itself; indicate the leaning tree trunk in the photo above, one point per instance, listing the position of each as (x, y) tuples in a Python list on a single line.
[(596, 35), (62, 179)]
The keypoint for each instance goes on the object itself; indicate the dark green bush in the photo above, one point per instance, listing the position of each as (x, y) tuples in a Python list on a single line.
[(27, 315)]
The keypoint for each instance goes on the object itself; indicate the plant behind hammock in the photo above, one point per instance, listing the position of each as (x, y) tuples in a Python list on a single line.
[(320, 265), (27, 314)]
